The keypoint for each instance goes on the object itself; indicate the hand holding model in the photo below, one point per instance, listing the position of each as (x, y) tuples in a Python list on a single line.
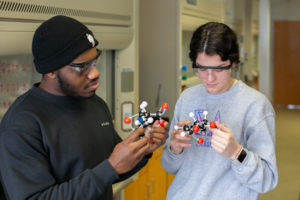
[(178, 142), (158, 134), (129, 152), (136, 146), (224, 142)]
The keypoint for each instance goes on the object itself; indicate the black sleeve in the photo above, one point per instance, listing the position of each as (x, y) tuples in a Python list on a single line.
[(26, 172), (2, 196)]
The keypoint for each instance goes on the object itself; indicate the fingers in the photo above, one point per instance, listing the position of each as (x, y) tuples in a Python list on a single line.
[(178, 142), (217, 148), (216, 140), (158, 139), (135, 141), (140, 143), (222, 127), (135, 135), (142, 151), (165, 124), (223, 141), (184, 122), (219, 135), (159, 131), (182, 140)]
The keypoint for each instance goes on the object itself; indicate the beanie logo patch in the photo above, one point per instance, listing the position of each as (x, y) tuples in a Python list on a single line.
[(91, 39)]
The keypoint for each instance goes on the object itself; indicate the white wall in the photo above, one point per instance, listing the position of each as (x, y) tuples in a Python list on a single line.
[(127, 59)]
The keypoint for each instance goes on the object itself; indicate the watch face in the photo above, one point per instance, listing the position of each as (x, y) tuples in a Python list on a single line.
[(242, 156)]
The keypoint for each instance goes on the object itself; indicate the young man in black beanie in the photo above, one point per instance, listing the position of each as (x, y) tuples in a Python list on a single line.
[(57, 141)]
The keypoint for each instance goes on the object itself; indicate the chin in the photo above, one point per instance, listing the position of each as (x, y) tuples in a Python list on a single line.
[(87, 94)]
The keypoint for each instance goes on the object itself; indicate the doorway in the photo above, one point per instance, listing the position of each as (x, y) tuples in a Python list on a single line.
[(286, 64)]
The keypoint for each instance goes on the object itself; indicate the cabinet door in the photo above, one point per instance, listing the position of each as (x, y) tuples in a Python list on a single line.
[(157, 177), (170, 179), (131, 191), (152, 181), (140, 188)]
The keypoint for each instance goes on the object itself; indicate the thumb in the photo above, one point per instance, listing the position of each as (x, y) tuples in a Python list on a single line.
[(184, 122), (135, 135), (222, 127)]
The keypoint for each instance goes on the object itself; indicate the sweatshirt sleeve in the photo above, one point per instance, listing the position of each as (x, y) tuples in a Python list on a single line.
[(170, 161), (26, 172), (259, 171)]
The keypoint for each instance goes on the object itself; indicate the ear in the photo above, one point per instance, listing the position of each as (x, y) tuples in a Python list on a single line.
[(51, 75), (235, 66)]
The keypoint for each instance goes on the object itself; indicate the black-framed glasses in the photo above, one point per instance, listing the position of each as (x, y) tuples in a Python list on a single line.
[(86, 66), (215, 68)]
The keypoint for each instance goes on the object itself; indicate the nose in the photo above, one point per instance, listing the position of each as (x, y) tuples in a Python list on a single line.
[(93, 73), (210, 75)]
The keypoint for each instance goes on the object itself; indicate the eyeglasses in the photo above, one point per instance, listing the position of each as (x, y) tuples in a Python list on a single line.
[(217, 68), (83, 68)]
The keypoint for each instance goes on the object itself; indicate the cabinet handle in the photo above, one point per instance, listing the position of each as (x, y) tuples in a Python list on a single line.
[(148, 190), (153, 185)]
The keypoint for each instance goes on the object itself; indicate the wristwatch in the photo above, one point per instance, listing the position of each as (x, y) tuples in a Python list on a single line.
[(242, 156)]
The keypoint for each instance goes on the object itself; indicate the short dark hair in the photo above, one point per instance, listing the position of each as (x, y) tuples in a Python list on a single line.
[(215, 38)]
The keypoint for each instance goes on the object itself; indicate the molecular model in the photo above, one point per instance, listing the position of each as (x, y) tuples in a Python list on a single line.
[(144, 118), (196, 126)]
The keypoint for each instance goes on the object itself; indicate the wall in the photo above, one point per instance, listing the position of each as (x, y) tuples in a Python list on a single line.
[(159, 53), (127, 59), (17, 74), (287, 10), (270, 11)]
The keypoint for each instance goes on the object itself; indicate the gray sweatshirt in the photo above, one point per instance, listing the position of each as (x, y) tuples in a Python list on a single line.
[(202, 173)]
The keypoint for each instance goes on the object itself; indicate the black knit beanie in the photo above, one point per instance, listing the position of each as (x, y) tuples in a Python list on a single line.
[(58, 41)]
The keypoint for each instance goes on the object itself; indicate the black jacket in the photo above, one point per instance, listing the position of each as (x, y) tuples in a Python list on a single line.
[(56, 147)]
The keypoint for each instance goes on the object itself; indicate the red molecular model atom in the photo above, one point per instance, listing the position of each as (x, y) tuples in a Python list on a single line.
[(212, 125), (127, 120), (200, 141), (165, 106), (196, 129), (161, 123)]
